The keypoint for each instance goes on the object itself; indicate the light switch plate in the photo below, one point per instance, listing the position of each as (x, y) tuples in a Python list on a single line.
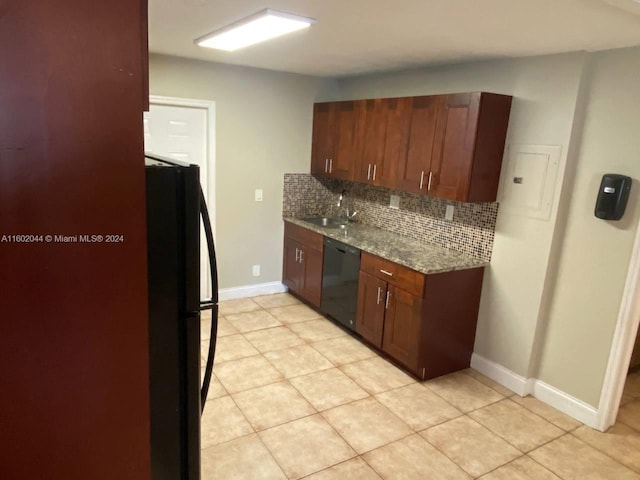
[(258, 194), (448, 214), (394, 202)]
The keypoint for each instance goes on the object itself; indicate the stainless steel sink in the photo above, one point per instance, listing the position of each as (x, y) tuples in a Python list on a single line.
[(327, 222)]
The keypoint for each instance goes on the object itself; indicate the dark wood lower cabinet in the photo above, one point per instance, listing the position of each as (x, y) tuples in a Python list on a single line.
[(302, 263), (370, 318), (402, 326), (426, 323)]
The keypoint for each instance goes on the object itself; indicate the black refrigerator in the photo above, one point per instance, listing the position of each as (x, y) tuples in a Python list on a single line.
[(175, 208)]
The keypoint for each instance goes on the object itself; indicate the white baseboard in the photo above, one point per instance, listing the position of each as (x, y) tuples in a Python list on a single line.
[(500, 374), (544, 392), (251, 291), (574, 407)]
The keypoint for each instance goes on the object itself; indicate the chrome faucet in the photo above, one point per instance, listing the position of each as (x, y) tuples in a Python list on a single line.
[(343, 199)]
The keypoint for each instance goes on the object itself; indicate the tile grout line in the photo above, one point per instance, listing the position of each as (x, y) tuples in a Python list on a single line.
[(602, 451), (460, 466)]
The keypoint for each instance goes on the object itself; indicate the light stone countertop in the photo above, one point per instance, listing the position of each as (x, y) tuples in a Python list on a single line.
[(419, 256)]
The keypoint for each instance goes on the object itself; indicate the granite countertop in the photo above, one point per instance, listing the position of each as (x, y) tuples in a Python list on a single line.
[(419, 256)]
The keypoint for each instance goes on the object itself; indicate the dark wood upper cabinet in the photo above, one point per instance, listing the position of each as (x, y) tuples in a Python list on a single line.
[(323, 137), (467, 154), (413, 133), (335, 139), (342, 164), (447, 146), (374, 165)]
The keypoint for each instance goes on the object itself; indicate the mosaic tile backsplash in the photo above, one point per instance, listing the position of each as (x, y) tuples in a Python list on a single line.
[(419, 217)]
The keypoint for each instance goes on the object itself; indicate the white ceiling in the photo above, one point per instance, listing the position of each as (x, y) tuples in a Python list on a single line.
[(353, 37)]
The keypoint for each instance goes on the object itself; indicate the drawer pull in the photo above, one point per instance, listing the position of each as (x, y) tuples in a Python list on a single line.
[(386, 273), (379, 294)]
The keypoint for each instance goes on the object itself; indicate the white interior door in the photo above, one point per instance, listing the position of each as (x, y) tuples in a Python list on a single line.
[(181, 133)]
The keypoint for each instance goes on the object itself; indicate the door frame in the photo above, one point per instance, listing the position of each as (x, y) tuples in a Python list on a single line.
[(210, 107), (624, 339)]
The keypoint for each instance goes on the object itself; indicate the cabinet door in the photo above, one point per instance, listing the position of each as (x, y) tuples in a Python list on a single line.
[(322, 142), (402, 327), (452, 160), (410, 137), (291, 266), (311, 273), (370, 165), (370, 315), (342, 163)]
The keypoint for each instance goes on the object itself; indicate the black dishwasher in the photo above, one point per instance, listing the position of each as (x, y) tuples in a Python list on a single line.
[(341, 268)]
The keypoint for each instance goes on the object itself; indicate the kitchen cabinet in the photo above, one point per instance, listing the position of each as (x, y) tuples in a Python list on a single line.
[(302, 263), (446, 146), (335, 139), (370, 314), (411, 141), (375, 165), (426, 323), (471, 129)]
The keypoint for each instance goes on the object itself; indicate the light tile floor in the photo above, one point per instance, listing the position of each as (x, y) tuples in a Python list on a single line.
[(294, 396)]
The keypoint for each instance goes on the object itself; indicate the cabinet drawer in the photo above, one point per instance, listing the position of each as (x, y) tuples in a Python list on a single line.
[(306, 237), (397, 275)]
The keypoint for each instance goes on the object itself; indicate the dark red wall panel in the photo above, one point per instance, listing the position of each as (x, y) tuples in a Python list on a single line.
[(73, 316)]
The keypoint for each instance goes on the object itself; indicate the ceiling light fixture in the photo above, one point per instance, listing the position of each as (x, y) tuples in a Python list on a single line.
[(255, 28)]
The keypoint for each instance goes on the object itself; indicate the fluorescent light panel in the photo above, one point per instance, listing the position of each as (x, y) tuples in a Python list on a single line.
[(256, 28)]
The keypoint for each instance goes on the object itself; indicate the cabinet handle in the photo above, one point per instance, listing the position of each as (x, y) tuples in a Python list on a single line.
[(330, 165), (430, 175), (386, 273), (421, 179), (301, 255), (326, 165), (369, 172), (379, 294), (297, 254), (374, 171), (386, 302)]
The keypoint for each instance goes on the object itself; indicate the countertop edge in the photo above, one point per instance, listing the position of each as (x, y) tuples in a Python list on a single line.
[(449, 260)]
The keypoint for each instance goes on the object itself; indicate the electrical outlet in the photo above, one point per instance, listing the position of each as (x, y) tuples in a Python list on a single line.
[(394, 202), (256, 270), (258, 194), (448, 214)]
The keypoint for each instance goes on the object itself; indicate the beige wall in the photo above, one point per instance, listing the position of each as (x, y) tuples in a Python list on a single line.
[(593, 255), (545, 91), (263, 129)]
